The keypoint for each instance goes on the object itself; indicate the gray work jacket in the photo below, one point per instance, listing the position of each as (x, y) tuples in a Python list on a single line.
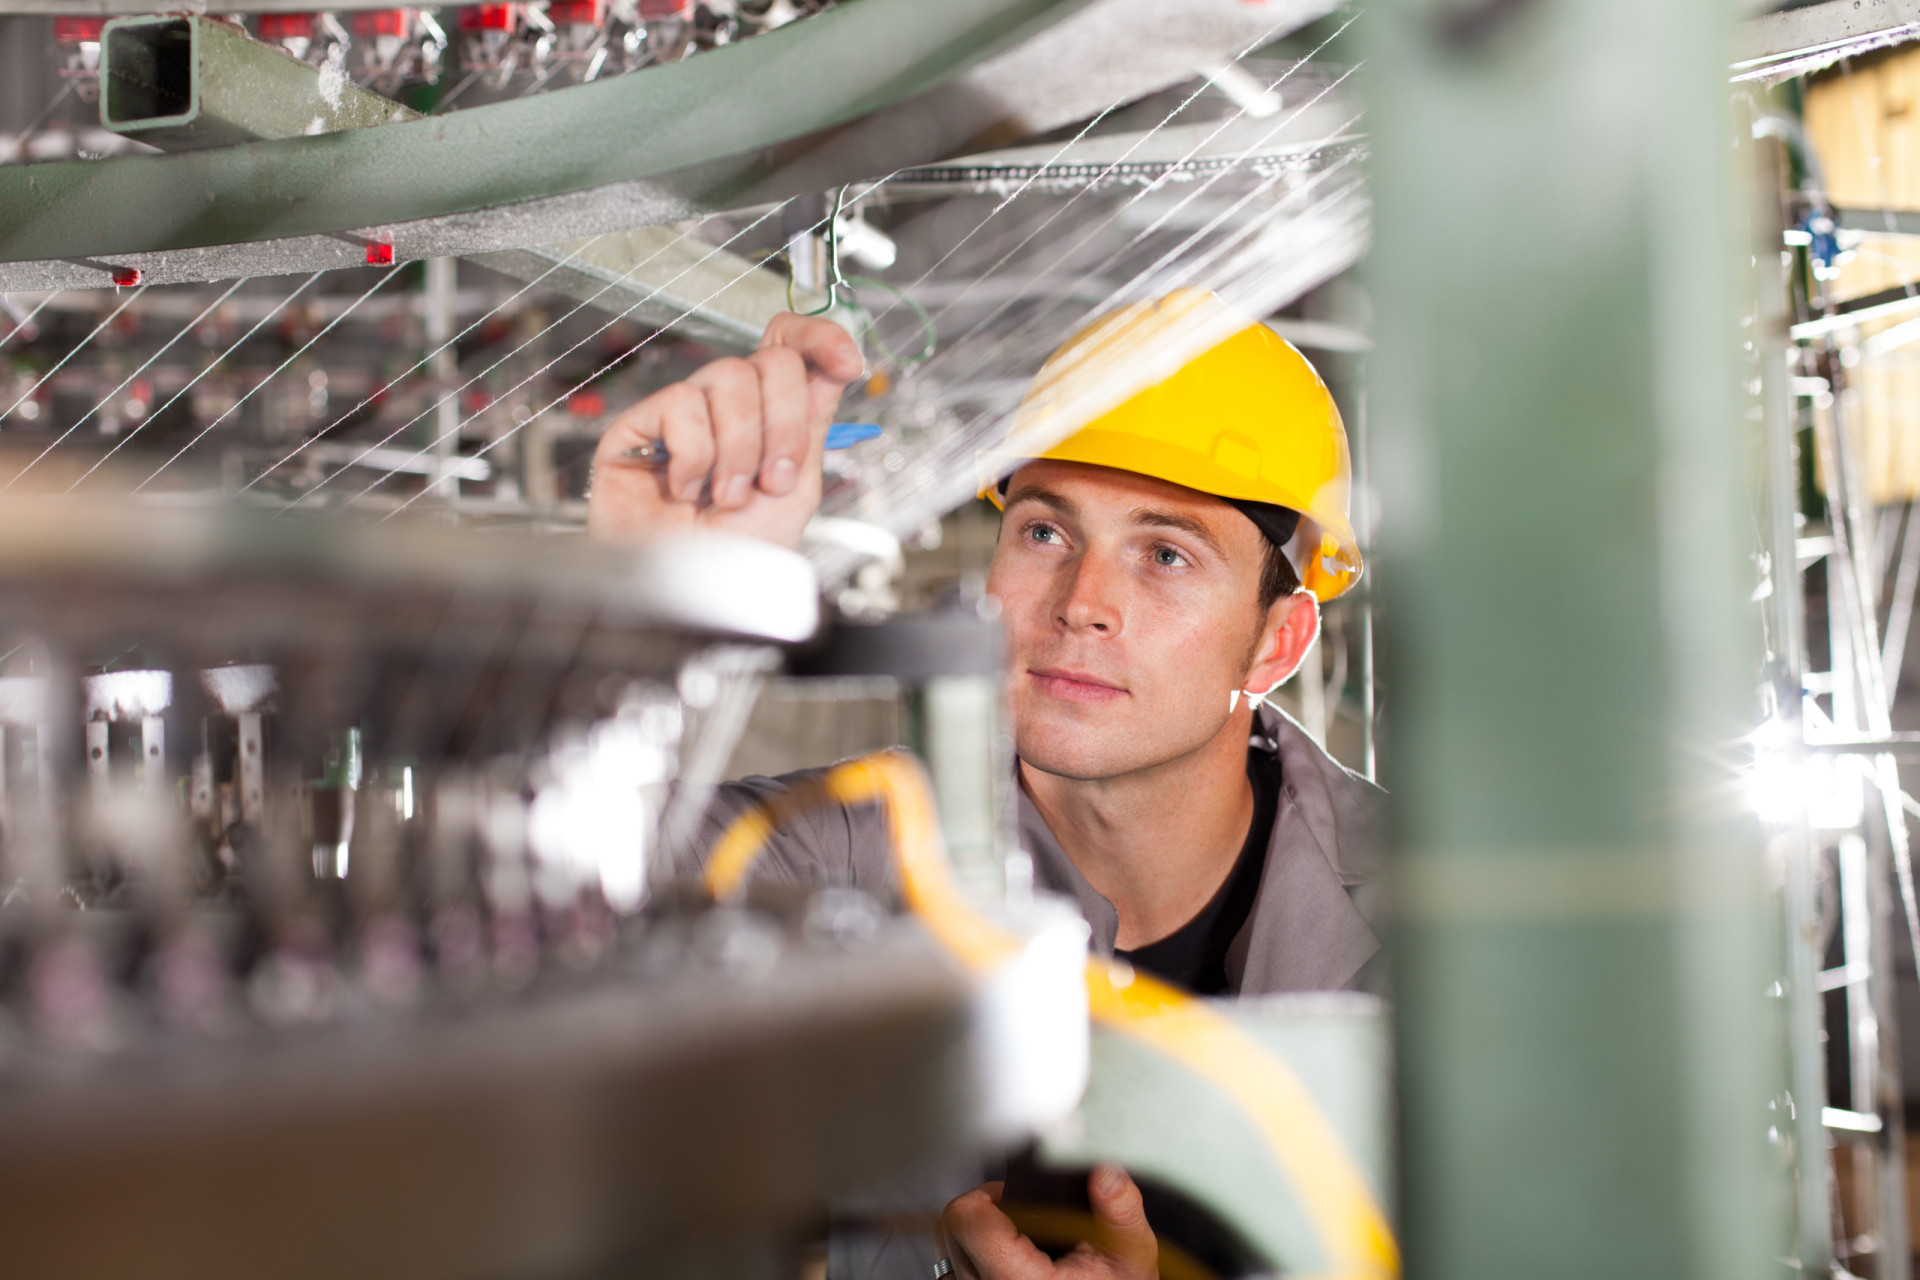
[(1312, 927)]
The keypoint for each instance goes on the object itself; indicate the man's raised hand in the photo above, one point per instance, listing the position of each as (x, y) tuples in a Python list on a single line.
[(745, 438), (983, 1243)]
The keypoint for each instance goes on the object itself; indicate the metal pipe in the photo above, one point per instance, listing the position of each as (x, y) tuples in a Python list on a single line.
[(1793, 845)]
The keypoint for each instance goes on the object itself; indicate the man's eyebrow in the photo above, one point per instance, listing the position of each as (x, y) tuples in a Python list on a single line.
[(1046, 498), (1185, 524)]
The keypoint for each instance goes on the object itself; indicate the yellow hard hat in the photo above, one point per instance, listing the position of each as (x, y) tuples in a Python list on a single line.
[(1247, 419)]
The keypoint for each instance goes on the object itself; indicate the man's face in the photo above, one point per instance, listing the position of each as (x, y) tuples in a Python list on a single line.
[(1132, 609)]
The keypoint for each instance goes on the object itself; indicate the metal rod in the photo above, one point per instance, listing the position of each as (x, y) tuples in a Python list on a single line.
[(444, 370), (1363, 529), (1903, 746), (1793, 846)]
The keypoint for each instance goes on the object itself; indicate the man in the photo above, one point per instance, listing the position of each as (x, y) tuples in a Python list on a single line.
[(1150, 573)]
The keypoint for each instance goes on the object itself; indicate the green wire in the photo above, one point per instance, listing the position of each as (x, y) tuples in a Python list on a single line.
[(840, 291), (930, 332)]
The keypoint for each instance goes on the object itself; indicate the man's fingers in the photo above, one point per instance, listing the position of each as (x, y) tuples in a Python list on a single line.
[(1120, 1217), (688, 433), (983, 1241), (732, 387), (832, 358), (824, 345), (784, 406)]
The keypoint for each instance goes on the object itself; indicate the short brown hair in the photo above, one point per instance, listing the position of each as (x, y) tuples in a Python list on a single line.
[(1277, 577)]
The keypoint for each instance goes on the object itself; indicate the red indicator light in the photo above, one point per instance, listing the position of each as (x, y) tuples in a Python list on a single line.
[(577, 13), (78, 30), (382, 22), (379, 255), (126, 277), (286, 26), (490, 17)]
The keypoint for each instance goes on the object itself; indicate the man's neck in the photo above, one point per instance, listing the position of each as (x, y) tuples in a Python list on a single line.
[(1158, 843)]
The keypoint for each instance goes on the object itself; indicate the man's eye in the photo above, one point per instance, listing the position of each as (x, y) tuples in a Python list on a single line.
[(1168, 558), (1043, 533)]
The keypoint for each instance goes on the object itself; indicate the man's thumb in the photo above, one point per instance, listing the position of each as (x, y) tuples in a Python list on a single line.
[(1124, 1234)]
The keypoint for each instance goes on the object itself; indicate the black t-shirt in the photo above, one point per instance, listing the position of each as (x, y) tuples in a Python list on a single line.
[(1194, 956)]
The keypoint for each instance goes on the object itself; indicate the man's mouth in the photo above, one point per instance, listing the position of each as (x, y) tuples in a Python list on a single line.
[(1074, 686)]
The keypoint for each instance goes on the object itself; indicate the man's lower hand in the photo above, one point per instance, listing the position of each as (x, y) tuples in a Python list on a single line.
[(745, 437), (983, 1243)]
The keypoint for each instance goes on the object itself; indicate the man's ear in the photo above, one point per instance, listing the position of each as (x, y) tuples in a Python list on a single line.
[(1292, 625)]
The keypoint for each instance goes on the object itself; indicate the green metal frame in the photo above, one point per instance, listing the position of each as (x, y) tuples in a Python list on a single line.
[(734, 102), (1586, 1050)]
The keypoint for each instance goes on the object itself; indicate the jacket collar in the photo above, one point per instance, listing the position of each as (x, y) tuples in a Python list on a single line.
[(1309, 929)]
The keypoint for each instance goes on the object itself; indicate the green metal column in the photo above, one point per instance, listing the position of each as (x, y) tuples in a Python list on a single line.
[(1585, 1045)]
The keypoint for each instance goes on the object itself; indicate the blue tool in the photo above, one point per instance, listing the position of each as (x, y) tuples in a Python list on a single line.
[(841, 435)]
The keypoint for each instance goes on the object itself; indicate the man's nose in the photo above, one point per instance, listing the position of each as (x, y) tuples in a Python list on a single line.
[(1091, 601)]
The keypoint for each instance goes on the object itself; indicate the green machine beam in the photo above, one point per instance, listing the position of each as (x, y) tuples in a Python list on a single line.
[(808, 76), (1586, 1051), (860, 91), (183, 83)]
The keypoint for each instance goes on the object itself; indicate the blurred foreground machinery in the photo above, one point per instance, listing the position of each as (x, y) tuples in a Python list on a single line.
[(339, 959)]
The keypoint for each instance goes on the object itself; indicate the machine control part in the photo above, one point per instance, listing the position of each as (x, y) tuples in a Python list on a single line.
[(241, 688), (132, 698), (128, 695), (397, 45), (80, 37)]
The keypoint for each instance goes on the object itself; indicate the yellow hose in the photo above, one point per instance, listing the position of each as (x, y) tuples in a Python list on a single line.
[(1346, 1218)]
